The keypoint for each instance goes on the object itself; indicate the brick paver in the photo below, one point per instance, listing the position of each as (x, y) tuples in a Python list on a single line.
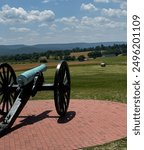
[(87, 123)]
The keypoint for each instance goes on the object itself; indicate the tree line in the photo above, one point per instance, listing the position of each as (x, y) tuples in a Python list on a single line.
[(93, 52)]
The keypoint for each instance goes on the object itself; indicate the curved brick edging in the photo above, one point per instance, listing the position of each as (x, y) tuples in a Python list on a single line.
[(88, 123)]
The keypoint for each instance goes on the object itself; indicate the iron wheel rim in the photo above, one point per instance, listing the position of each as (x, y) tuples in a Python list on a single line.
[(62, 84), (7, 94)]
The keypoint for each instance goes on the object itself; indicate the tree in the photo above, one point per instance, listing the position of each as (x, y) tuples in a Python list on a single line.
[(68, 58), (43, 59), (81, 58), (94, 54)]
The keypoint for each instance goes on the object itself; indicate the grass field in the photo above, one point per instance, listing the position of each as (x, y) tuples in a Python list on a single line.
[(116, 145), (91, 81)]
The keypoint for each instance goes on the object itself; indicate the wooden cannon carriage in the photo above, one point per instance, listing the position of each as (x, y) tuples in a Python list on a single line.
[(16, 91)]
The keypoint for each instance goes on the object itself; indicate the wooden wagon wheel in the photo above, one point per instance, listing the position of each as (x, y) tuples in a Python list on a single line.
[(7, 94), (62, 88)]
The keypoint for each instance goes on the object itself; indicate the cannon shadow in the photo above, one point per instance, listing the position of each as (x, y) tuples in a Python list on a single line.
[(29, 120), (68, 117)]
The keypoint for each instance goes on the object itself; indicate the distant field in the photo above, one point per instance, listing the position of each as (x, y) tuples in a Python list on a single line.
[(120, 60), (77, 54)]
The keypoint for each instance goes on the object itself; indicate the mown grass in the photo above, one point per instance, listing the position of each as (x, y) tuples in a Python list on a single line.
[(93, 82), (116, 145)]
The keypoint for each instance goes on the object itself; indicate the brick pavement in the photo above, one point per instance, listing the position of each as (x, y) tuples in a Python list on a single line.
[(87, 123)]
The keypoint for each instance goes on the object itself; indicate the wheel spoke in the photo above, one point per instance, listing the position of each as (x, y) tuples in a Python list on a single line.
[(65, 81), (61, 102), (2, 99), (65, 102), (1, 83), (10, 78), (2, 79), (1, 89), (64, 73), (4, 73), (59, 106), (11, 101), (3, 105), (61, 76), (7, 104), (8, 74), (66, 96), (11, 94)]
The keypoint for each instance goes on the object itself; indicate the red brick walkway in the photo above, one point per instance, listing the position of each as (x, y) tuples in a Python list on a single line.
[(88, 123)]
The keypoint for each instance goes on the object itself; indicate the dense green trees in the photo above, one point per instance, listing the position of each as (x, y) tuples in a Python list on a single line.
[(94, 52), (81, 58)]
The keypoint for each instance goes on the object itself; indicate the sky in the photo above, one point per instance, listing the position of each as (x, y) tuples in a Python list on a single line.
[(32, 22)]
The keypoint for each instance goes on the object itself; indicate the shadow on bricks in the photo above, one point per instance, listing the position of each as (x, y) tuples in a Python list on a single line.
[(29, 120), (68, 117)]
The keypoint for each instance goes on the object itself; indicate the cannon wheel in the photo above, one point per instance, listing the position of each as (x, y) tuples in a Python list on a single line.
[(62, 88), (7, 94)]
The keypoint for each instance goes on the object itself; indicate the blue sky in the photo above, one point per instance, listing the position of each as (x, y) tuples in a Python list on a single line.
[(62, 21)]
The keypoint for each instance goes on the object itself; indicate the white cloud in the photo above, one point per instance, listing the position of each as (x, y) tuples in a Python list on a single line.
[(96, 29), (43, 25), (114, 24), (40, 16), (88, 7), (108, 1), (89, 21), (101, 22), (53, 27), (19, 29), (7, 13), (123, 5), (101, 1), (117, 1), (1, 39), (45, 1), (114, 12), (69, 20), (13, 15), (66, 29)]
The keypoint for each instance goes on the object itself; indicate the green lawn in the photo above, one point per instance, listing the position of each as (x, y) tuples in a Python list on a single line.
[(93, 82), (116, 145)]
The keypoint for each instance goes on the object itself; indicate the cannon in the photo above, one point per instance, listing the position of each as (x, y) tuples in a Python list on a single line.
[(16, 91)]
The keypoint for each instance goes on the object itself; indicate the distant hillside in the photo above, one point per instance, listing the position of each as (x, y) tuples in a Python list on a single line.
[(21, 49)]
